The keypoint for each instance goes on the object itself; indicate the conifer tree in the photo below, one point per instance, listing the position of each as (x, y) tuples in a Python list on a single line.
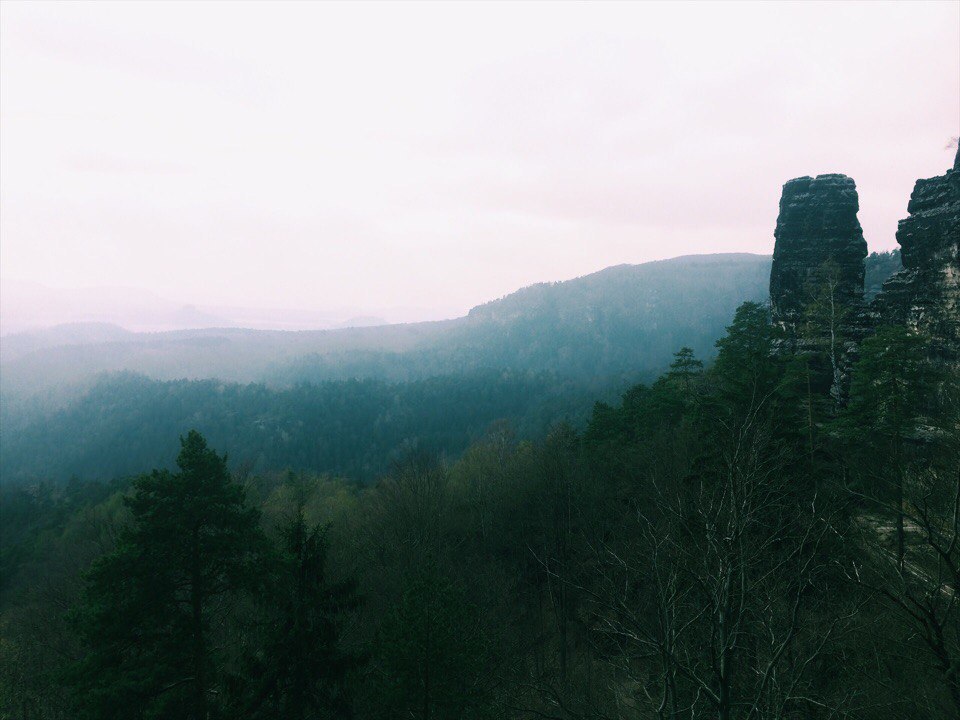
[(150, 608)]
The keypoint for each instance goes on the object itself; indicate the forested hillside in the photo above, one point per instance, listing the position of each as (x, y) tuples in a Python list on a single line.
[(398, 360), (722, 543), (533, 358), (353, 428), (620, 321)]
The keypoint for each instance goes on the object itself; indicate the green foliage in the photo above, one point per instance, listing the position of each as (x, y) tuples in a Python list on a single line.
[(618, 324), (354, 428), (151, 606), (891, 386), (32, 515), (684, 369), (878, 267), (430, 653), (299, 669), (346, 402), (716, 544), (747, 375), (743, 362)]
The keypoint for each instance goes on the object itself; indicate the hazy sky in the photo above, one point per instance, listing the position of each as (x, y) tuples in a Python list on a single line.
[(438, 155)]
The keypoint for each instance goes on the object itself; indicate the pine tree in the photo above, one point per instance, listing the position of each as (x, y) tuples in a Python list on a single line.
[(746, 373), (684, 368), (150, 607)]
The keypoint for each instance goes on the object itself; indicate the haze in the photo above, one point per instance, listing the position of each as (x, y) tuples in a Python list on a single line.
[(411, 161)]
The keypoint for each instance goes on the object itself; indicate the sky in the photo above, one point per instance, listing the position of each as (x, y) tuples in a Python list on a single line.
[(414, 160)]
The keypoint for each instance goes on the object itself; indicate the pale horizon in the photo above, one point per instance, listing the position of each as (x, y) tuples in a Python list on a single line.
[(423, 159), (28, 307)]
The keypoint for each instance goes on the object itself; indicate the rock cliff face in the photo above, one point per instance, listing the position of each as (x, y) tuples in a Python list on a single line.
[(818, 241), (816, 281), (925, 295)]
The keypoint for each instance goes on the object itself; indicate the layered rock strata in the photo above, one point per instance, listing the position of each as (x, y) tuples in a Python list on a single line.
[(816, 281), (925, 295), (818, 241)]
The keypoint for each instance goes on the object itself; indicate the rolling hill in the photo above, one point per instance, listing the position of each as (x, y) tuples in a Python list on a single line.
[(99, 401), (625, 319)]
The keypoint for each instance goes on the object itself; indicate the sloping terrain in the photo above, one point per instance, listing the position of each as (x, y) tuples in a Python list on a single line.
[(625, 319)]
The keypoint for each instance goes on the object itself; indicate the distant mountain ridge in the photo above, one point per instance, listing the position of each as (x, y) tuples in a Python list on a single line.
[(623, 320), (300, 399), (610, 278), (30, 307)]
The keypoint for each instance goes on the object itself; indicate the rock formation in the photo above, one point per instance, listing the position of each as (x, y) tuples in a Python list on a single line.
[(925, 295), (817, 235), (816, 281)]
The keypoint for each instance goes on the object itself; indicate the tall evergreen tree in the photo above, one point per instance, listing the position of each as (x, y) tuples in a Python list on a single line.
[(684, 368), (151, 607), (746, 374)]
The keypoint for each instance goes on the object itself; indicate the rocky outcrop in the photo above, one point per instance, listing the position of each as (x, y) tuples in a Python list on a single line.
[(818, 240), (817, 277), (925, 295), (816, 280)]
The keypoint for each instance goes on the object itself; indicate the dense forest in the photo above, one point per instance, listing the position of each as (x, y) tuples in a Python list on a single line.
[(479, 361), (726, 541), (534, 358), (351, 428)]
